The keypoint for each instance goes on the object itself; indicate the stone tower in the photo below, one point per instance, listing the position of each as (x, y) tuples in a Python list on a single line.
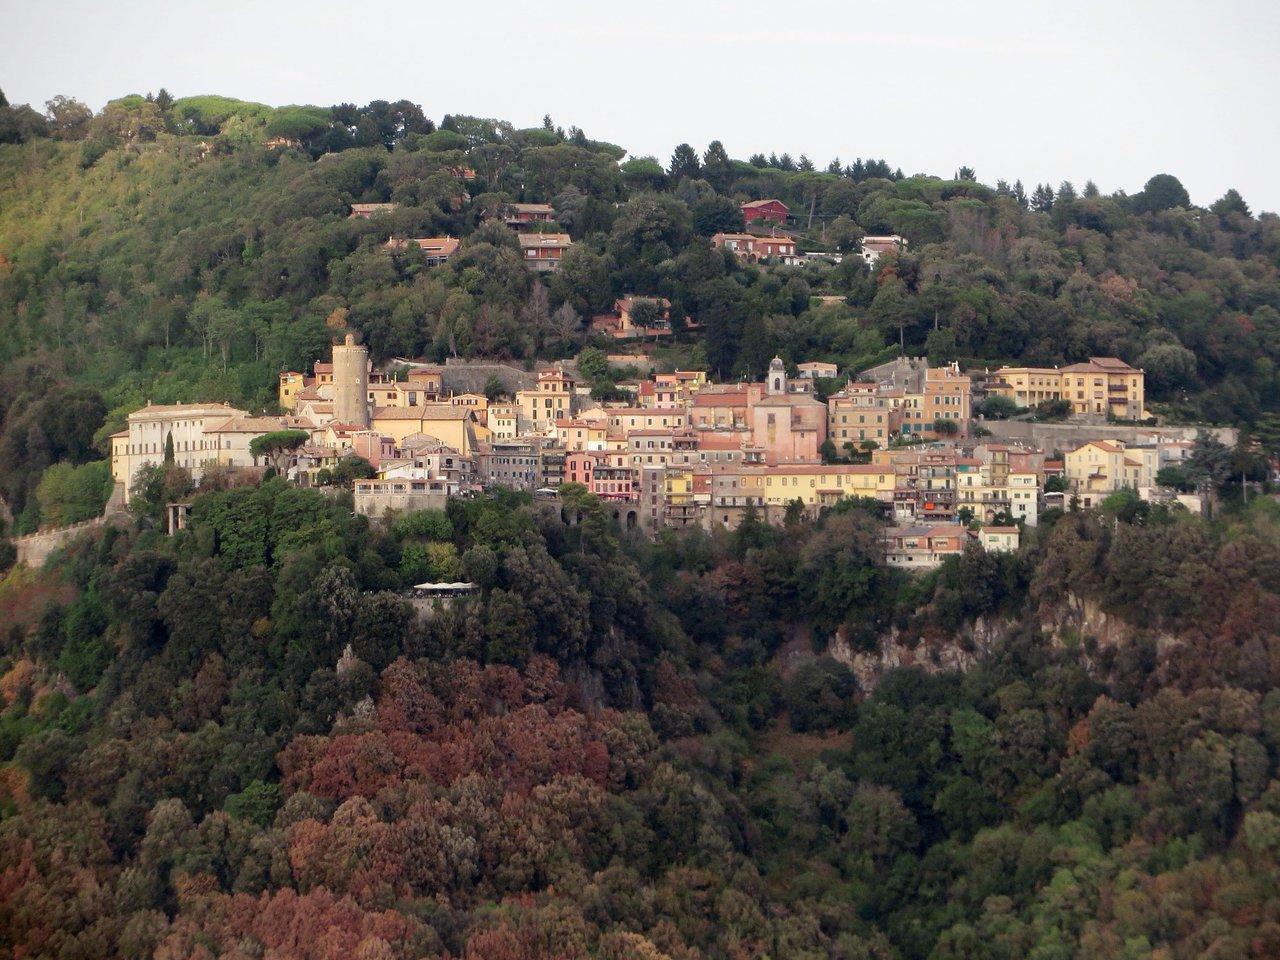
[(777, 382), (351, 383)]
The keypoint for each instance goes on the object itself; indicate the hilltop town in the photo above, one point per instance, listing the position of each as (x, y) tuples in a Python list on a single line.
[(426, 536), (684, 451)]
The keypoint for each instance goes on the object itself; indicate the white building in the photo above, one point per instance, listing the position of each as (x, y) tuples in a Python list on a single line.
[(149, 430), (201, 434), (872, 247)]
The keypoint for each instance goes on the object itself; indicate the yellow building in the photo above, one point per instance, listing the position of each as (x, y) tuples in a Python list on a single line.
[(452, 426), (815, 485), (1103, 386), (623, 420), (1101, 467), (999, 539), (476, 402), (181, 426), (684, 498), (581, 434), (550, 400), (292, 383), (855, 415), (503, 421)]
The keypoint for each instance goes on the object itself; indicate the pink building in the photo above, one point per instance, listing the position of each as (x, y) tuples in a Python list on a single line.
[(594, 470), (373, 446), (787, 427)]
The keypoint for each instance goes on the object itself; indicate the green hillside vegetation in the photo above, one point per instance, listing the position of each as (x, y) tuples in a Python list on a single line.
[(242, 741), (159, 250), (626, 750)]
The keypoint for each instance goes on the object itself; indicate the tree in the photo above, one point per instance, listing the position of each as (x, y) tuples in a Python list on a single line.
[(68, 494), (997, 407), (647, 314), (1231, 203), (1042, 198), (278, 446), (1209, 465), (1162, 192), (716, 168), (1170, 369), (21, 124), (352, 467), (844, 235), (966, 173), (68, 118), (684, 163)]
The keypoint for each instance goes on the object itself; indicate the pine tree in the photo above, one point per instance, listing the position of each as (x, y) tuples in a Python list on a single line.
[(1042, 198), (684, 163)]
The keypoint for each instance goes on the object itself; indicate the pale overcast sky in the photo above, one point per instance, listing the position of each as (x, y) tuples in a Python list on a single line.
[(1111, 91)]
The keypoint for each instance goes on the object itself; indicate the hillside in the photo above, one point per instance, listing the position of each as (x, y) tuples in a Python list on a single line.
[(241, 742), (160, 250), (251, 739)]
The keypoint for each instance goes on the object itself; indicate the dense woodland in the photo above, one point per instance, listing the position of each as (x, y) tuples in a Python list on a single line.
[(626, 750), (161, 250), (618, 749)]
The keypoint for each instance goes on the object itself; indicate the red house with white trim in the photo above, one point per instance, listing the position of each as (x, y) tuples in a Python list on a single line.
[(773, 211)]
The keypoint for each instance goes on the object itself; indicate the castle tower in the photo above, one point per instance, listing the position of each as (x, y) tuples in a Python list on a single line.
[(777, 381), (351, 382)]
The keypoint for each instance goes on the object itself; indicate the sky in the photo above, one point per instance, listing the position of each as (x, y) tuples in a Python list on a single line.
[(1043, 92)]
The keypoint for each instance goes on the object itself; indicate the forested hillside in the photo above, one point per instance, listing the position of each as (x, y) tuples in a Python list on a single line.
[(242, 740), (638, 751), (162, 249)]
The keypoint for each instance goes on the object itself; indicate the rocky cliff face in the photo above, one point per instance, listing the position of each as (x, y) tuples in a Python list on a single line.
[(1071, 621), (957, 653)]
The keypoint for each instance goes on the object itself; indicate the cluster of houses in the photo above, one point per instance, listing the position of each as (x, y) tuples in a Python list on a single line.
[(766, 241), (683, 451)]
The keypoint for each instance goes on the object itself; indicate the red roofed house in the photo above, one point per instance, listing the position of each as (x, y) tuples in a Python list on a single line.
[(436, 250), (749, 247), (774, 211), (542, 251), (521, 214), (622, 326), (363, 211)]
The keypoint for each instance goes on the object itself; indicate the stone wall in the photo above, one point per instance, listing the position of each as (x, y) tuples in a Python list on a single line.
[(1068, 436), (469, 376), (34, 549)]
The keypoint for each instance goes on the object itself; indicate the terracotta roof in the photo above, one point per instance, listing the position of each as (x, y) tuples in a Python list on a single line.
[(816, 469), (203, 409), (528, 240), (429, 411), (437, 246), (752, 204), (720, 398), (246, 424), (789, 400)]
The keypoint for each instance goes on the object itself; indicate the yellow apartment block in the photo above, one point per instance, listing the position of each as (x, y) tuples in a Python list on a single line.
[(1104, 385), (816, 485)]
